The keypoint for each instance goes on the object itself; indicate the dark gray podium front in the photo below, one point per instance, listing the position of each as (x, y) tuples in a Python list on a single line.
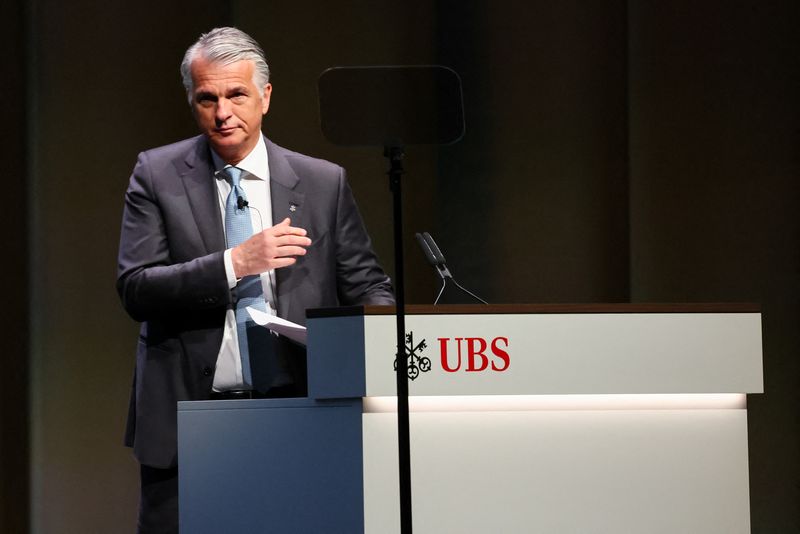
[(271, 465)]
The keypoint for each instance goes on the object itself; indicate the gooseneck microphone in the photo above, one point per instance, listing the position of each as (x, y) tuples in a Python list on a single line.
[(436, 259)]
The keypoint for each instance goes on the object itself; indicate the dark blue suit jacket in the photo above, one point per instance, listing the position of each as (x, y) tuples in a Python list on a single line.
[(171, 274)]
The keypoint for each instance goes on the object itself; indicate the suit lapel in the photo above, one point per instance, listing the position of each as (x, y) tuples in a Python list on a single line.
[(201, 191), (287, 201)]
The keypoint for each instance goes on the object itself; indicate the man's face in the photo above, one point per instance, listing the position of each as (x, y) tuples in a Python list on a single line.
[(228, 106)]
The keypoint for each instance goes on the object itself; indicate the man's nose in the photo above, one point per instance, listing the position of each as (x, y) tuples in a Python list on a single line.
[(223, 111)]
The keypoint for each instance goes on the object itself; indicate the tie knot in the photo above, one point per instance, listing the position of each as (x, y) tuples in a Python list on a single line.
[(234, 174)]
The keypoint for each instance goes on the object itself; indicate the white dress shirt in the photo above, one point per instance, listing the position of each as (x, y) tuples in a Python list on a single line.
[(255, 182)]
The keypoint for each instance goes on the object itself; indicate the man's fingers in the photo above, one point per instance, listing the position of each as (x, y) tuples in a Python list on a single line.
[(288, 239), (287, 251), (292, 230), (284, 229), (272, 248), (277, 263)]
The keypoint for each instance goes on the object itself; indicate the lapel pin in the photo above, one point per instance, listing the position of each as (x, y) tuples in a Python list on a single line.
[(292, 207)]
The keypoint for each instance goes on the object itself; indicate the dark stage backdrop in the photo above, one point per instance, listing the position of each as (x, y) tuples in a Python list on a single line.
[(615, 151)]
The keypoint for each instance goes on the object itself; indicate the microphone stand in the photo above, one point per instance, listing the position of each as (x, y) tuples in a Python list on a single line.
[(395, 153)]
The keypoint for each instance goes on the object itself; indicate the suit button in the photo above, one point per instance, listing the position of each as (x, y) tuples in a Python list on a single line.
[(207, 371)]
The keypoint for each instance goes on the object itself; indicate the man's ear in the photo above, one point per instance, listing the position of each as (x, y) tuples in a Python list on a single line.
[(265, 98)]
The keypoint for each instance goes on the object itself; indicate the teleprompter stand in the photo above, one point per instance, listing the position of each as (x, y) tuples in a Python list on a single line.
[(395, 155), (392, 107)]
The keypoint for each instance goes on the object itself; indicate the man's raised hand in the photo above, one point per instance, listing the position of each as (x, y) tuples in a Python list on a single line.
[(269, 249)]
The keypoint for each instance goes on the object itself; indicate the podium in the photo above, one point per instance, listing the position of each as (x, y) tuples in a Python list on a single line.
[(549, 418)]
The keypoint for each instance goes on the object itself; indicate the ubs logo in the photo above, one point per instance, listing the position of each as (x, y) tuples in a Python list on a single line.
[(416, 362), (470, 354)]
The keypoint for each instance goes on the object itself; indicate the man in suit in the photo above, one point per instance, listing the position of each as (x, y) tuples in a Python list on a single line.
[(185, 266)]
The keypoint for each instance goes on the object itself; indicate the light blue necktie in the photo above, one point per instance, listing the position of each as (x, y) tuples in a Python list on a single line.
[(238, 229)]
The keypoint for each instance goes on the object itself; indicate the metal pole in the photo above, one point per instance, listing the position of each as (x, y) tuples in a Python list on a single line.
[(395, 155)]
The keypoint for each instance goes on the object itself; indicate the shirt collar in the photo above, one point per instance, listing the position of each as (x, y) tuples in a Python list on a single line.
[(255, 164)]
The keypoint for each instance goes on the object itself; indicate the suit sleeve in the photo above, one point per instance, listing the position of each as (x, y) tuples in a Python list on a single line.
[(360, 278), (152, 282)]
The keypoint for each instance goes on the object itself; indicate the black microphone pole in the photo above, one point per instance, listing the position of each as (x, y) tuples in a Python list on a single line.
[(395, 155)]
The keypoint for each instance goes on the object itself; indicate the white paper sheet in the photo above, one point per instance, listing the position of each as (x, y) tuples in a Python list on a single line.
[(293, 331)]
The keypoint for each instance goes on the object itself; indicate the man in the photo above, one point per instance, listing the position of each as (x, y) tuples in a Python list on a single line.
[(198, 243)]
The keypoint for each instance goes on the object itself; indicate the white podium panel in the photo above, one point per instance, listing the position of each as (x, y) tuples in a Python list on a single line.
[(555, 419), (644, 471), (588, 353)]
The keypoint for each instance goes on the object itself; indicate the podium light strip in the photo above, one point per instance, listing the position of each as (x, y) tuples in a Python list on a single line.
[(505, 403)]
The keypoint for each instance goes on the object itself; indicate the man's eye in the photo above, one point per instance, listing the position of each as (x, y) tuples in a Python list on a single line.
[(239, 98)]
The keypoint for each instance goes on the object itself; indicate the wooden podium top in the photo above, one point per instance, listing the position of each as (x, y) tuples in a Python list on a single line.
[(496, 309)]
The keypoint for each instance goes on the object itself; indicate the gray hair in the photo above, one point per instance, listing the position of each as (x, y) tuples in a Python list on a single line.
[(225, 46)]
